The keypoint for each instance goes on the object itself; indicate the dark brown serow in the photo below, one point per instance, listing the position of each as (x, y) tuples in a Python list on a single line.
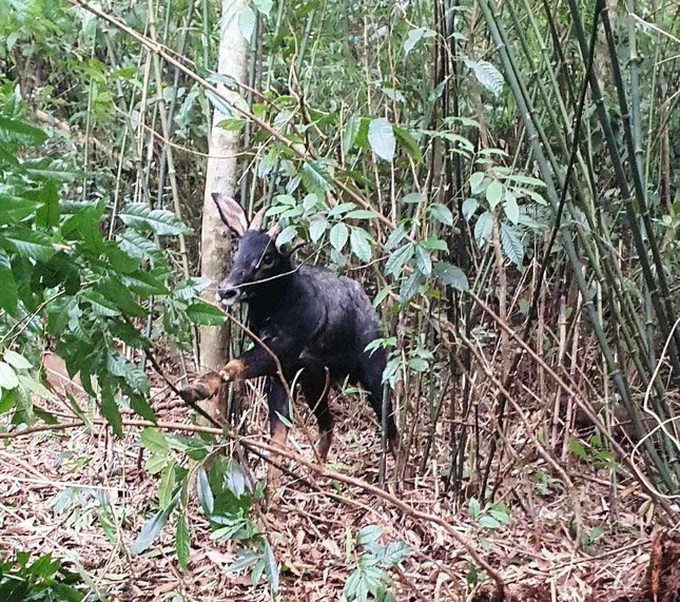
[(315, 323)]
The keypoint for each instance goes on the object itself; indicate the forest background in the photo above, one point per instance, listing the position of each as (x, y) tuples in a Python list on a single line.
[(503, 178)]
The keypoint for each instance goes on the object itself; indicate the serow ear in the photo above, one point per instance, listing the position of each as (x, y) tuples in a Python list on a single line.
[(231, 213), (256, 224)]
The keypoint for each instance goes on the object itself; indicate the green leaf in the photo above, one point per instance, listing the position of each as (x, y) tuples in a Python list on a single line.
[(442, 214), (409, 143), (317, 228), (381, 138), (483, 228), (474, 508), (469, 208), (350, 133), (166, 485), (315, 176), (246, 22), (477, 182), (182, 542), (204, 314), (410, 286), (415, 35), (369, 534), (271, 568), (512, 244), (110, 411), (8, 378), (487, 75), (360, 244), (511, 208), (152, 528), (205, 494), (155, 441), (488, 522), (423, 261), (339, 235), (450, 275), (414, 197), (286, 236), (47, 216), (9, 294), (24, 131), (494, 193), (160, 221), (16, 360), (32, 244), (361, 214), (396, 261)]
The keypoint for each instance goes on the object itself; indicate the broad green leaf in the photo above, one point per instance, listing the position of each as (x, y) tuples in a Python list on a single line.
[(9, 294), (205, 494), (161, 221), (182, 542), (99, 305), (16, 360), (511, 208), (339, 235), (423, 261), (450, 275), (483, 228), (415, 35), (47, 215), (398, 259), (8, 377), (317, 228), (410, 286), (32, 244), (136, 245), (360, 244), (487, 75), (166, 485), (477, 182), (409, 143), (286, 236), (394, 553), (246, 22), (494, 193), (414, 197), (441, 213), (469, 208), (110, 411), (155, 441), (350, 133), (271, 568), (474, 508), (369, 534), (24, 131), (512, 244), (381, 138), (153, 527), (204, 314), (315, 176), (139, 403)]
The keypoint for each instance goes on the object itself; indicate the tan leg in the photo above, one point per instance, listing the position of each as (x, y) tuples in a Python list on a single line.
[(279, 438), (324, 444)]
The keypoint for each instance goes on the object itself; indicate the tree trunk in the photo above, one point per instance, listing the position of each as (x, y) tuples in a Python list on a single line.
[(221, 176)]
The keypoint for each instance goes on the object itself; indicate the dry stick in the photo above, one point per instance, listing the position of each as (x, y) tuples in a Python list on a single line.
[(587, 410), (255, 446)]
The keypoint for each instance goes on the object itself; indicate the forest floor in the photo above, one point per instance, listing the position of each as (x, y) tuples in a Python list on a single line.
[(55, 484)]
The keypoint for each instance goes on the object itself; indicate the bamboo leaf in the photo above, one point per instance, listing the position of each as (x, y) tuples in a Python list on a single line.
[(381, 138)]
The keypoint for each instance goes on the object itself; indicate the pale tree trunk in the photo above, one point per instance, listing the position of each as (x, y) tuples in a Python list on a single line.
[(221, 177)]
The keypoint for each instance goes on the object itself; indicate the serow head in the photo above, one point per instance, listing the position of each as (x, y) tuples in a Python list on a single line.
[(256, 261)]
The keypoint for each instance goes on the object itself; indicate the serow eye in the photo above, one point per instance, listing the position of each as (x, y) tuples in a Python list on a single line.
[(267, 259)]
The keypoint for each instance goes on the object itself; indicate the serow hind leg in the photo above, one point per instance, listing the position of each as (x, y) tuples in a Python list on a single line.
[(277, 401), (315, 384)]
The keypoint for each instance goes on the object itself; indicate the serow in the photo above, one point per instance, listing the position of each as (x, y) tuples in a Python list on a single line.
[(315, 323)]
